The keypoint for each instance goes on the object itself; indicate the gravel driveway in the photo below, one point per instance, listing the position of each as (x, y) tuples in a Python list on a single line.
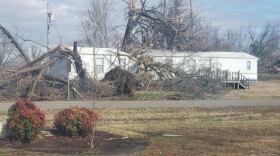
[(4, 106)]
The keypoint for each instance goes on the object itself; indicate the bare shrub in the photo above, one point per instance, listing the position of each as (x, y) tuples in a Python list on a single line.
[(95, 89), (105, 89), (194, 85), (144, 81)]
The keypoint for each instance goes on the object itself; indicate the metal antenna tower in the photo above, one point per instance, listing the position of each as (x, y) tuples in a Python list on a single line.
[(49, 21)]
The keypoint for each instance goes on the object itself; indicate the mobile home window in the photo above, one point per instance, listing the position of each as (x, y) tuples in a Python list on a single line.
[(248, 65), (99, 65)]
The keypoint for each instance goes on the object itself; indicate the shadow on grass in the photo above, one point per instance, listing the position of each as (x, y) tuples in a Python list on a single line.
[(105, 143)]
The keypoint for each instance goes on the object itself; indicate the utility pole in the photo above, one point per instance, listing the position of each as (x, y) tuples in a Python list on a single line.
[(133, 5), (49, 16), (178, 12), (191, 16), (164, 8), (191, 25)]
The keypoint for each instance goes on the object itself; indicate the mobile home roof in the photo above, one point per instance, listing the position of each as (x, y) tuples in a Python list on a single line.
[(211, 54)]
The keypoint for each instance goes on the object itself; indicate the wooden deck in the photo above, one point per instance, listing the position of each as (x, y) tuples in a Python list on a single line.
[(230, 80)]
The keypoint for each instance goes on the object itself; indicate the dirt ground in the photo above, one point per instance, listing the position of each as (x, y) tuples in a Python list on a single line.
[(53, 145), (262, 90)]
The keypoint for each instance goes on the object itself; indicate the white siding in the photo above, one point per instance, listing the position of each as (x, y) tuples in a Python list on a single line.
[(190, 63), (236, 65), (231, 61), (106, 59)]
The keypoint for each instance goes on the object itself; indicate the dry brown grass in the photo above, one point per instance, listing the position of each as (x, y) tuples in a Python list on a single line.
[(263, 89), (235, 131), (203, 131)]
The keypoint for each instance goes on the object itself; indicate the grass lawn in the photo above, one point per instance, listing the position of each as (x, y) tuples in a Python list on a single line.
[(262, 90), (269, 89), (183, 131)]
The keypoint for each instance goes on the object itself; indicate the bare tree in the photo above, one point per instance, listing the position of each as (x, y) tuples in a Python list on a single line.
[(96, 23), (6, 52), (97, 29), (234, 40), (266, 45), (266, 42), (176, 27), (147, 26)]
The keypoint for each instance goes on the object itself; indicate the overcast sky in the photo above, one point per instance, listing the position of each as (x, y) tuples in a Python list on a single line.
[(29, 16)]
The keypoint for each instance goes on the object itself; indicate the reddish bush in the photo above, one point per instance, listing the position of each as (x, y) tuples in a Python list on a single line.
[(25, 121), (75, 122)]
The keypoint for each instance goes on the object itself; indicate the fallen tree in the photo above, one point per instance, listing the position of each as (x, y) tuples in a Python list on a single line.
[(14, 41), (153, 75), (32, 79)]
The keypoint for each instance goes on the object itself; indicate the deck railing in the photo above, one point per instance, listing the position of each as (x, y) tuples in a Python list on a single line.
[(225, 76)]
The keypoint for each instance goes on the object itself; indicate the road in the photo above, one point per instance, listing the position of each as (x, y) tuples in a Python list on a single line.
[(4, 106)]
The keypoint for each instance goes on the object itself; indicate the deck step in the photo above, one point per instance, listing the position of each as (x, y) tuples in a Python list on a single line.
[(242, 86)]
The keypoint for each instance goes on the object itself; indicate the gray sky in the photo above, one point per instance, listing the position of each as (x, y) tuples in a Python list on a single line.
[(28, 17)]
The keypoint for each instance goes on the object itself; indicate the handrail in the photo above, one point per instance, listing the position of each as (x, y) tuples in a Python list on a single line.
[(226, 76), (222, 75)]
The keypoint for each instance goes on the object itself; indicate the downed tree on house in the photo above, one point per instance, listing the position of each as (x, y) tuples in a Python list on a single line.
[(157, 76), (184, 84), (32, 78), (149, 28), (35, 80)]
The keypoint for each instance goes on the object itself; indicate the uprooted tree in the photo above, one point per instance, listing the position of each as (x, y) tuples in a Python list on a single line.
[(124, 81)]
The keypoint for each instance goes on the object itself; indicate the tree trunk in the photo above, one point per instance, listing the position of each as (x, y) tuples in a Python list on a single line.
[(79, 68), (13, 40)]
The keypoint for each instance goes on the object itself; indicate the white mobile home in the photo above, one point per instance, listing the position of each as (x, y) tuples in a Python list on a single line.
[(241, 62), (107, 59)]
